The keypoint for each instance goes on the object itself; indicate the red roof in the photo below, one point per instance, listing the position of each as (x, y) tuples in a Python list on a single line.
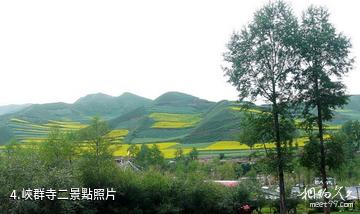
[(228, 183)]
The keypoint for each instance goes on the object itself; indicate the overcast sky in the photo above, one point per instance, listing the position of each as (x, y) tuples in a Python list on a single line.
[(54, 51)]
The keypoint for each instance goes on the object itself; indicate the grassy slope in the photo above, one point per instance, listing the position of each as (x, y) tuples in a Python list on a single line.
[(219, 123), (171, 117)]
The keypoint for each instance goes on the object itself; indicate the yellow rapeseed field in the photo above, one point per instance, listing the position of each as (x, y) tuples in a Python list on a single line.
[(122, 149), (118, 132), (239, 108), (226, 145), (174, 121), (235, 145)]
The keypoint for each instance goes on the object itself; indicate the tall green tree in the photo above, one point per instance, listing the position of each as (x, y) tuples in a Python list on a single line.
[(95, 136), (59, 148), (97, 155), (260, 60), (179, 154), (156, 157), (325, 59), (142, 157), (193, 154)]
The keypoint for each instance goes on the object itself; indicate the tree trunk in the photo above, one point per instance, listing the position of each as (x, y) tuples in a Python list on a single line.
[(279, 159), (322, 154), (322, 147)]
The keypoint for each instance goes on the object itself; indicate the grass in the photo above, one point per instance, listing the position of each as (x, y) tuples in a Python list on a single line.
[(332, 127), (174, 121), (227, 153), (237, 108), (191, 145), (33, 140)]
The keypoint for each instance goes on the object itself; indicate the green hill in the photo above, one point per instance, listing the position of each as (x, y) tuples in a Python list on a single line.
[(350, 112), (36, 118), (173, 116), (8, 109), (170, 117), (41, 113), (109, 107), (176, 102), (219, 123)]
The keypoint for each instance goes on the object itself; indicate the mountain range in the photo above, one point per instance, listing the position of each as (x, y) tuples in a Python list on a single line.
[(173, 116)]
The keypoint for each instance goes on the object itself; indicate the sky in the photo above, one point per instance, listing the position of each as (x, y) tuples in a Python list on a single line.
[(59, 51)]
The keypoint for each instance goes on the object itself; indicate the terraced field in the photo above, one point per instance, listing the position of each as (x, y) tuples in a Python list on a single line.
[(174, 121), (117, 135), (26, 131)]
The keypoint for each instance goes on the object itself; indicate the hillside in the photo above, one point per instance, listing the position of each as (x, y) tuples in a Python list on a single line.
[(350, 112), (8, 109), (219, 123), (172, 117), (107, 106), (36, 120)]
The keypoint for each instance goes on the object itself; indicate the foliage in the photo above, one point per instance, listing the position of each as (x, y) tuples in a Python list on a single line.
[(179, 154), (258, 129), (59, 148), (261, 58), (334, 153), (94, 136), (352, 129), (149, 156), (325, 59), (193, 154)]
